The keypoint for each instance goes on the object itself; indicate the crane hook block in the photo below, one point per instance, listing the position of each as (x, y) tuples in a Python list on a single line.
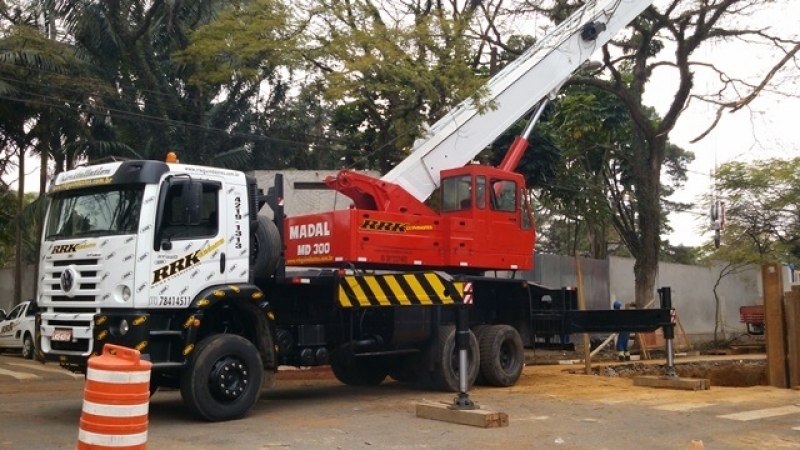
[(591, 30)]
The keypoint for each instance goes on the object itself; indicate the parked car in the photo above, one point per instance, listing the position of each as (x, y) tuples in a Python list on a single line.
[(17, 329)]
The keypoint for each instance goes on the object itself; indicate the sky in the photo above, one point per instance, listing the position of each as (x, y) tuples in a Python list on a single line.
[(764, 130), (767, 129)]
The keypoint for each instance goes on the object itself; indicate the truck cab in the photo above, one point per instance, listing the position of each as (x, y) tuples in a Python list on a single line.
[(124, 248)]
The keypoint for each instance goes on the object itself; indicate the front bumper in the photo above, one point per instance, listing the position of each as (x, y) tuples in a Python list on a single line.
[(72, 338)]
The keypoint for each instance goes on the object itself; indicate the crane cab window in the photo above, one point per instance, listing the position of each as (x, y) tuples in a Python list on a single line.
[(457, 193), (525, 210), (504, 195)]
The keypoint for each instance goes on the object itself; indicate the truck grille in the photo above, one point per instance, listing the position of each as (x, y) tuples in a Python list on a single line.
[(85, 292)]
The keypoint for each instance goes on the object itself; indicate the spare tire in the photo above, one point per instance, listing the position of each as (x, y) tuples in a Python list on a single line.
[(266, 251)]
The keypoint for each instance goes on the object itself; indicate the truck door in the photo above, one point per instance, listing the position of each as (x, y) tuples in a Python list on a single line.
[(188, 257)]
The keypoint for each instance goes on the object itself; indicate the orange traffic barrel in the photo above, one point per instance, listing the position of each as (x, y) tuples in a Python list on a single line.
[(115, 401)]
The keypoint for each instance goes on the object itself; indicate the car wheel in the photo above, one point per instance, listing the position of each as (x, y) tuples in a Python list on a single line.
[(27, 347)]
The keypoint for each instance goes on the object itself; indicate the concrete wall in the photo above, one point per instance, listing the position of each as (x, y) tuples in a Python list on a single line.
[(692, 289), (693, 294), (7, 286)]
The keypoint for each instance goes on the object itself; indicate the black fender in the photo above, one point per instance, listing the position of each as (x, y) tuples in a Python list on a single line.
[(248, 302)]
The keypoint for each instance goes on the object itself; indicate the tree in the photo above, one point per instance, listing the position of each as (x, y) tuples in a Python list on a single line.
[(580, 165), (629, 64), (762, 211), (389, 69)]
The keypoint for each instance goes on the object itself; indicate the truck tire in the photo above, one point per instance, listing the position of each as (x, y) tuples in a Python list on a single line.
[(446, 358), (502, 355), (266, 248), (478, 331), (354, 371), (28, 349), (222, 380)]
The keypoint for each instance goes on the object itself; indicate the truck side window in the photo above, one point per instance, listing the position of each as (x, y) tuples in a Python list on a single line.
[(172, 223)]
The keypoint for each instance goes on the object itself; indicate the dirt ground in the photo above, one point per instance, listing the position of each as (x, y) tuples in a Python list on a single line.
[(565, 380)]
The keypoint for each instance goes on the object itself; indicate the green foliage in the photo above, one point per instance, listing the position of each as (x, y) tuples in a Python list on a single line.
[(388, 72), (581, 165), (29, 220), (762, 209), (246, 42)]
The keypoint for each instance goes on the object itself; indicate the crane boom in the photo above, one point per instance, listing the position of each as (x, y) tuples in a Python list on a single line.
[(464, 132)]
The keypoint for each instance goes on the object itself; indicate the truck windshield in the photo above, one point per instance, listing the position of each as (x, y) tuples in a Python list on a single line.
[(94, 213)]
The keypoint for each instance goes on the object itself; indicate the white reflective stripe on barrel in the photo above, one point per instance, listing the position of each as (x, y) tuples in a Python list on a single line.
[(116, 440), (115, 410), (107, 376)]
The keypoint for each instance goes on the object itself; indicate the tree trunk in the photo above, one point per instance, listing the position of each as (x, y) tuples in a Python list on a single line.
[(18, 241), (647, 171)]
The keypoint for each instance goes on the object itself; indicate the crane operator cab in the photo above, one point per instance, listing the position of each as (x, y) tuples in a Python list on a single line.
[(489, 210)]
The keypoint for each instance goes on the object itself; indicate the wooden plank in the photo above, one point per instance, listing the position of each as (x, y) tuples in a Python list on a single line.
[(792, 308), (587, 355), (774, 325), (475, 417), (686, 341), (689, 384)]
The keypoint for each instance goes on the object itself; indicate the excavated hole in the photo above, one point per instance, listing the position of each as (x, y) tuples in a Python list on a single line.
[(735, 373)]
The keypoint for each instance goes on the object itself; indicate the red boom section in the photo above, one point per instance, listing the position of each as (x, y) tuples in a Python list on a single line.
[(375, 195)]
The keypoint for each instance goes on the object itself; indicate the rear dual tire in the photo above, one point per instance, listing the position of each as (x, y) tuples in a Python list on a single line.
[(502, 355), (445, 375)]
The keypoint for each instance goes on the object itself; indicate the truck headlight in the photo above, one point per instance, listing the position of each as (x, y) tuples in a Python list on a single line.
[(122, 293)]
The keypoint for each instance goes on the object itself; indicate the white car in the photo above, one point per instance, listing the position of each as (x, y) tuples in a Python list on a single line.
[(17, 329)]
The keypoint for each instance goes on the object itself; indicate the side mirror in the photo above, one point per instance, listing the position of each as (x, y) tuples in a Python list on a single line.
[(191, 197)]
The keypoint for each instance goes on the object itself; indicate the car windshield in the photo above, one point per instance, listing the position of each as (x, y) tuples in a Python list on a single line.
[(94, 213)]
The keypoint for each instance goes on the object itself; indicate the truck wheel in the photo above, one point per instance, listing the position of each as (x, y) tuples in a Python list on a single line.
[(502, 355), (478, 331), (222, 380), (27, 347), (446, 360), (267, 248), (354, 371)]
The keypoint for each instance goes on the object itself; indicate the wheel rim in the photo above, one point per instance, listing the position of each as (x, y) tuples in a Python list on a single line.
[(27, 347), (508, 357), (229, 379)]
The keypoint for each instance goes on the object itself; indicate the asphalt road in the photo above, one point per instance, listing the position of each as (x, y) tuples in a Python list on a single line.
[(40, 407)]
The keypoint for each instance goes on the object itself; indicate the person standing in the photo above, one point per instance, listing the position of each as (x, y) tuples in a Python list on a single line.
[(622, 340)]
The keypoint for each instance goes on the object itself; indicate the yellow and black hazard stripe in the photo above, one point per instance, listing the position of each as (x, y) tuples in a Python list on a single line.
[(398, 290)]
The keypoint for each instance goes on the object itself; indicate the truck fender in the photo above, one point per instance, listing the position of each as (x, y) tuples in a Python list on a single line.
[(248, 303)]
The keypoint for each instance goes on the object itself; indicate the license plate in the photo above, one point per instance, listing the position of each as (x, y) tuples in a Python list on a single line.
[(61, 335)]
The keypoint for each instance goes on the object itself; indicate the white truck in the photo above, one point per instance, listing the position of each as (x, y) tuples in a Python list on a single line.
[(18, 329), (174, 260)]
